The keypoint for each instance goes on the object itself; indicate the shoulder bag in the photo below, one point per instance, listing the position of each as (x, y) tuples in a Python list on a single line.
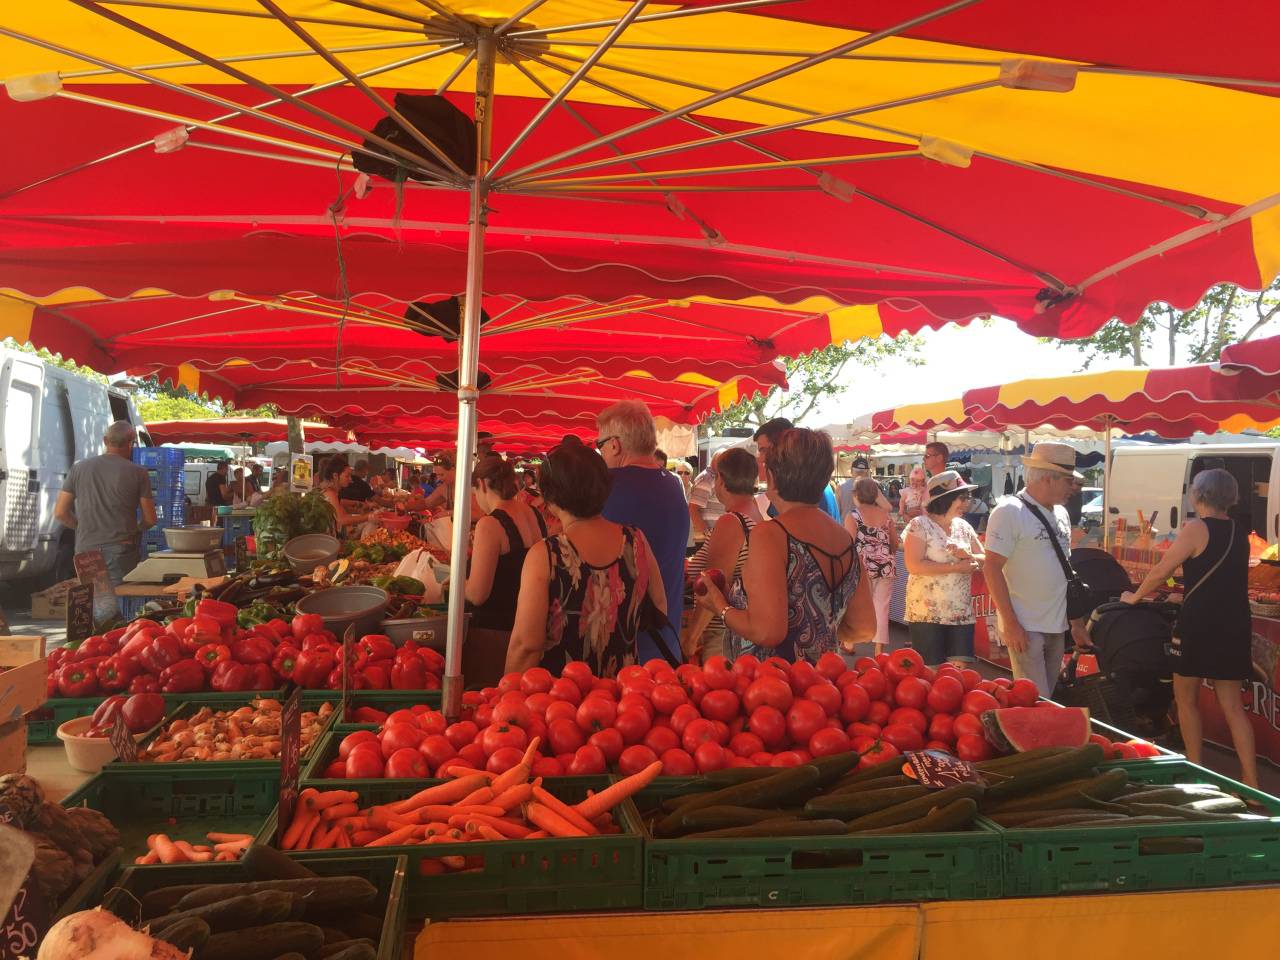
[(1174, 648), (1079, 596)]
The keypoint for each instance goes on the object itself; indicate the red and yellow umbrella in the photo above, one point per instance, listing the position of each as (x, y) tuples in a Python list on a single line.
[(237, 430)]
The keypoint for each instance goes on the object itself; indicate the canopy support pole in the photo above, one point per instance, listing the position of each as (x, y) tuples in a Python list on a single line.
[(468, 372), (1107, 424)]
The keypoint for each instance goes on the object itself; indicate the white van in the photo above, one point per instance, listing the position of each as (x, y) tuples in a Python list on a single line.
[(49, 419), (1156, 481)]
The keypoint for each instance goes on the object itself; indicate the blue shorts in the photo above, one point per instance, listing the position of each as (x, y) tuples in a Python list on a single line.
[(939, 642)]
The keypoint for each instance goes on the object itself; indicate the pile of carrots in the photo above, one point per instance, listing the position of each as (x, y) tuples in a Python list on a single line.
[(477, 805), (161, 848)]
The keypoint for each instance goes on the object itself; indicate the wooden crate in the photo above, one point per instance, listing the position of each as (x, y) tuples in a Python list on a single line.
[(23, 677)]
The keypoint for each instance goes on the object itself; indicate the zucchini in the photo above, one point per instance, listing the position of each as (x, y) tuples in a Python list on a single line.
[(721, 818), (952, 816), (1072, 793), (343, 892), (291, 955), (917, 808), (187, 934), (359, 926), (1046, 771), (262, 862), (1179, 794), (781, 827), (165, 899), (846, 806), (791, 784), (264, 943)]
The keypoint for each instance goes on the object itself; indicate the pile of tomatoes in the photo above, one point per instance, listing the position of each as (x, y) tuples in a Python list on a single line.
[(694, 719)]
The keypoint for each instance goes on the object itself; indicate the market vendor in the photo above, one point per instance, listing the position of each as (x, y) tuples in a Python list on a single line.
[(505, 531), (335, 475), (357, 489), (442, 495), (217, 489)]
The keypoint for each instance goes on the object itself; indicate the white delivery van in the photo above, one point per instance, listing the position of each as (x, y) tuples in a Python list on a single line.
[(49, 419), (1155, 481)]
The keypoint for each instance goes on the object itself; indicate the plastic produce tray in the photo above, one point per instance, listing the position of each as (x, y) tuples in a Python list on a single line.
[(815, 871), (1148, 857), (42, 724), (185, 801), (554, 875)]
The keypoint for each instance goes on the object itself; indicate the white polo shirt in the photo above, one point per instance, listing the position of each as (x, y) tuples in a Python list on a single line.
[(1037, 585)]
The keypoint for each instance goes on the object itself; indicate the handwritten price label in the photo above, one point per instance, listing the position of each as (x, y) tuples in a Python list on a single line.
[(28, 918), (937, 770), (290, 757)]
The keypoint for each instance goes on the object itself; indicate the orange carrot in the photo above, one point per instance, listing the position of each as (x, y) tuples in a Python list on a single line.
[(168, 851), (454, 863), (615, 793), (234, 846), (309, 832), (301, 818), (339, 810), (488, 809), (362, 838), (512, 797), (343, 842), (149, 857), (332, 798), (384, 818), (552, 822), (450, 792), (228, 837), (354, 823), (558, 806), (483, 795), (519, 773), (394, 838), (537, 835), (485, 831), (225, 857), (306, 799), (325, 837), (430, 867), (508, 828)]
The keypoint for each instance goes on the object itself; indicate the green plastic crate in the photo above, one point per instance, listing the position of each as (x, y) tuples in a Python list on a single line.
[(814, 871), (89, 891), (42, 724), (1147, 857), (1115, 733), (186, 801), (554, 875), (387, 700)]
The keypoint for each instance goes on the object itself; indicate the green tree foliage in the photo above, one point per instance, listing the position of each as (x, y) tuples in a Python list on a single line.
[(54, 358), (152, 409), (1165, 335), (813, 378)]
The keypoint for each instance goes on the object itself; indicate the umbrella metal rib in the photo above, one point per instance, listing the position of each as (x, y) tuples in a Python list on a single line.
[(227, 11), (651, 17)]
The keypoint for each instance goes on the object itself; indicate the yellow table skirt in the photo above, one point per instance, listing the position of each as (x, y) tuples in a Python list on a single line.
[(1161, 926)]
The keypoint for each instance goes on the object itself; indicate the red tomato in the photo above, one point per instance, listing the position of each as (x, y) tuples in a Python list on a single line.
[(661, 739), (682, 715), (535, 680), (365, 762), (667, 696), (804, 719), (353, 740), (638, 685), (677, 763), (874, 682), (513, 711), (437, 750), (710, 756), (803, 676), (942, 727), (970, 678), (538, 703), (745, 744), (719, 704), (1108, 751), (1023, 693), (510, 681), (654, 665), (761, 759), (461, 733), (769, 725), (400, 716), (938, 745), (484, 715), (768, 671), (633, 672), (596, 713), (863, 664), (967, 723), (400, 736), (945, 694), (564, 736), (903, 737), (605, 685), (1005, 682), (878, 712), (472, 754), (696, 732), (977, 702), (563, 710), (1002, 696), (855, 702), (579, 673), (905, 662), (987, 686), (879, 752), (609, 742), (1144, 749), (1119, 751), (857, 730), (586, 761), (767, 692), (911, 692), (432, 722), (337, 770), (911, 717), (973, 748), (693, 680), (746, 665), (634, 759), (500, 735), (566, 690), (741, 683), (407, 763), (846, 678), (636, 701), (831, 665), (633, 725), (828, 741), (547, 767), (826, 695), (788, 758)]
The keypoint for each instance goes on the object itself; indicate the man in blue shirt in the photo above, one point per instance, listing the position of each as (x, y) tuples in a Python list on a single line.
[(647, 496), (765, 438)]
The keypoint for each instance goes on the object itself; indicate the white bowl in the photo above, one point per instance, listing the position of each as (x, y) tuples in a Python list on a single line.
[(87, 754)]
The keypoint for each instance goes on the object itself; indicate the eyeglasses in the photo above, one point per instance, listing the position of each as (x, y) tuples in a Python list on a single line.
[(603, 440)]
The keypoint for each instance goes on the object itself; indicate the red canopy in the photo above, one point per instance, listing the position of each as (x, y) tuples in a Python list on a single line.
[(1260, 356), (237, 430)]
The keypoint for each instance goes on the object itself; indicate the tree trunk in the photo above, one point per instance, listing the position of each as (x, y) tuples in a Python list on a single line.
[(295, 434), (1173, 337), (1135, 344)]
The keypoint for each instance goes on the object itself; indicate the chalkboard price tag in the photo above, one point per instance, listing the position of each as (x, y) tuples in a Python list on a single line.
[(242, 554), (290, 758), (79, 612), (937, 770), (122, 740), (348, 644), (24, 925), (91, 568)]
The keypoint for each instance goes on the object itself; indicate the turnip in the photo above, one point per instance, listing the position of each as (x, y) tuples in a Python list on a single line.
[(101, 935)]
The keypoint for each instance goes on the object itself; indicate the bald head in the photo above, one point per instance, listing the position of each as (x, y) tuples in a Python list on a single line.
[(121, 435)]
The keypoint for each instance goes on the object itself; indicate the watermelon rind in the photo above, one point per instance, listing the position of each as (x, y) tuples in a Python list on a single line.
[(1019, 729)]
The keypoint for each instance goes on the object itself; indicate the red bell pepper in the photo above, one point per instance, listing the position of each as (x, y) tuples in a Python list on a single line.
[(140, 623), (305, 623), (76, 680), (201, 631), (334, 680), (368, 715), (318, 641), (95, 646), (51, 684), (107, 711), (212, 654), (159, 653), (229, 676), (139, 641), (178, 626), (408, 674), (433, 660), (377, 675), (145, 683), (376, 646), (224, 613), (280, 628), (117, 636), (252, 649), (54, 658), (285, 662), (261, 677), (183, 676), (313, 667), (115, 672)]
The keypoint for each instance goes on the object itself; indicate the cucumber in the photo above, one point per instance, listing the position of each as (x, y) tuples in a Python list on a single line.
[(730, 776), (1184, 813), (782, 827), (343, 892), (262, 862), (1072, 793), (1058, 818), (1019, 818), (187, 934), (880, 783), (723, 817), (1177, 795), (1046, 771), (846, 806), (790, 785), (885, 769), (917, 808), (954, 815), (1226, 804), (264, 943), (1017, 759), (350, 950), (832, 768), (250, 910)]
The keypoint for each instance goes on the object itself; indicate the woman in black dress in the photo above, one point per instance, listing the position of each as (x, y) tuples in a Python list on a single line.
[(1214, 632)]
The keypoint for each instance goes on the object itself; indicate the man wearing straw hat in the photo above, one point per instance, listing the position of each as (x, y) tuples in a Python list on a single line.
[(1025, 576)]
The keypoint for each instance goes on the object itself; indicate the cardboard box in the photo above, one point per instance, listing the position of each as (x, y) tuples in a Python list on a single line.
[(51, 604), (23, 677), (13, 747)]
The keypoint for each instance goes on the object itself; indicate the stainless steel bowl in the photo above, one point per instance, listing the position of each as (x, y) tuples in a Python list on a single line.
[(311, 550), (340, 607)]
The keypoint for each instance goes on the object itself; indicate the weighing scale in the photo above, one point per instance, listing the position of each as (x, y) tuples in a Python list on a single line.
[(170, 566)]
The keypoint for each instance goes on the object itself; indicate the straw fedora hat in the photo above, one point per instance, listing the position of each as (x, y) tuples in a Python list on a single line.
[(1055, 457)]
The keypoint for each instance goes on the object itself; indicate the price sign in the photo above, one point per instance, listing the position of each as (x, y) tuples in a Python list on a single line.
[(122, 740), (24, 925), (348, 642), (937, 770), (91, 567), (79, 612), (242, 554), (290, 758)]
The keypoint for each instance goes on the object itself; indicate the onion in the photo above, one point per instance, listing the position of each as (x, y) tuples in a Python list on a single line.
[(100, 935)]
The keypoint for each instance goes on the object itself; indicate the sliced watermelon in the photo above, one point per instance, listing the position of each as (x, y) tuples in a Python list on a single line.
[(1019, 729)]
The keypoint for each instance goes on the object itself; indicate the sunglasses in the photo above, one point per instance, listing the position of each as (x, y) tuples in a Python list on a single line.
[(603, 440)]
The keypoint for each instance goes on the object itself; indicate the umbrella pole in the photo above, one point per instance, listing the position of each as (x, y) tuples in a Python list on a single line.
[(1106, 483), (468, 371)]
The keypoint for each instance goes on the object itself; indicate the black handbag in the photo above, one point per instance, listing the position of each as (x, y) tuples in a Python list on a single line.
[(1079, 596), (652, 623)]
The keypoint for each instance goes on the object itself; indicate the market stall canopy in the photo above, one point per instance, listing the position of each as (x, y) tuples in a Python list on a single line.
[(1259, 356), (1048, 164), (236, 430), (359, 449)]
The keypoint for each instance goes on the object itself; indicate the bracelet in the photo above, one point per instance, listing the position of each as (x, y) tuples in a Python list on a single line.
[(727, 607)]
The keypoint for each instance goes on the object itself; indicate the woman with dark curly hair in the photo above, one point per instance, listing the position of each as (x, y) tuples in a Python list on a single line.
[(582, 591), (802, 584)]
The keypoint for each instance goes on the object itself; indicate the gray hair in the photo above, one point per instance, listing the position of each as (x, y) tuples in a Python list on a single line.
[(1036, 474), (1215, 488), (631, 422), (120, 434), (866, 490)]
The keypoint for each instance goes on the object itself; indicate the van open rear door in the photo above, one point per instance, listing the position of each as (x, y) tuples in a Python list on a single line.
[(21, 385)]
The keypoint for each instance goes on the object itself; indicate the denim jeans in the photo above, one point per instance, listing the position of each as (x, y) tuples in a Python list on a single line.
[(939, 642), (120, 559)]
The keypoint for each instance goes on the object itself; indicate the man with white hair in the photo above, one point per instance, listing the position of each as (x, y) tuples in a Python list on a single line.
[(647, 496), (100, 500), (1025, 575)]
